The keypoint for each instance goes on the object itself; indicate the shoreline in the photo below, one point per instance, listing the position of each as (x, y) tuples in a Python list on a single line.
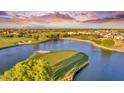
[(96, 45), (24, 44), (9, 47), (71, 77), (79, 69)]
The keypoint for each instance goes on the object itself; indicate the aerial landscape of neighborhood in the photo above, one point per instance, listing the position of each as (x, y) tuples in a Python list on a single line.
[(62, 46)]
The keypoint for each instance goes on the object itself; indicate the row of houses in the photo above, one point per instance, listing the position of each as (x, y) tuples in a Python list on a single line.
[(103, 33)]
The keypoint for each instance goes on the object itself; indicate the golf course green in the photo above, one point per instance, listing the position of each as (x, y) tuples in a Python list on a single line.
[(55, 65)]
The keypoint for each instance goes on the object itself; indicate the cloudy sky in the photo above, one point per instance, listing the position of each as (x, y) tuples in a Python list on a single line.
[(63, 19)]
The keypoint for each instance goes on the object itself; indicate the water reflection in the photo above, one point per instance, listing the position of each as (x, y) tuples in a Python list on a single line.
[(106, 53)]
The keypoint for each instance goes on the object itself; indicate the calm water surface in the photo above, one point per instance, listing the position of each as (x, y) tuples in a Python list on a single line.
[(103, 64)]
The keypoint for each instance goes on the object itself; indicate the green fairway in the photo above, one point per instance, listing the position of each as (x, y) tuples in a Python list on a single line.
[(7, 42), (60, 64)]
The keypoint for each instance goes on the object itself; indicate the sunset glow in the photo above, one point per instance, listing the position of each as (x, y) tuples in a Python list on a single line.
[(63, 19)]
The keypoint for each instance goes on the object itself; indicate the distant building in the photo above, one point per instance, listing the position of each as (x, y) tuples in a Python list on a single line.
[(119, 37)]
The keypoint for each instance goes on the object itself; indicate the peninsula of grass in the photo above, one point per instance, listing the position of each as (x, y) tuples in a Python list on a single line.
[(55, 65)]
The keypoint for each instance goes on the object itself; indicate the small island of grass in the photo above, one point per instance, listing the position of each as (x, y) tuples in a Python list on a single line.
[(55, 65)]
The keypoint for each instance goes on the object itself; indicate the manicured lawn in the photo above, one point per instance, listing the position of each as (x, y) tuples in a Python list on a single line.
[(57, 66), (6, 42), (57, 56), (64, 63)]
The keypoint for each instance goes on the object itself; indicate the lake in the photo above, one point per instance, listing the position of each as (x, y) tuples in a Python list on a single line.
[(103, 64)]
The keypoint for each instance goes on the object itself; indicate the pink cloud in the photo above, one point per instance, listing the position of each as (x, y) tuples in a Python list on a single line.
[(53, 17)]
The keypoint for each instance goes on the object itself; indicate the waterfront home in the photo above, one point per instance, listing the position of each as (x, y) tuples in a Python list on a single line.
[(119, 37), (71, 33), (109, 35)]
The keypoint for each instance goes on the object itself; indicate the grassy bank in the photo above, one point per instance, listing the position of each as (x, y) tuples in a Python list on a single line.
[(109, 43), (95, 44), (8, 42), (56, 65)]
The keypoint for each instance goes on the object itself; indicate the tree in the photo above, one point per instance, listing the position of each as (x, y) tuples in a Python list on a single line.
[(32, 69)]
